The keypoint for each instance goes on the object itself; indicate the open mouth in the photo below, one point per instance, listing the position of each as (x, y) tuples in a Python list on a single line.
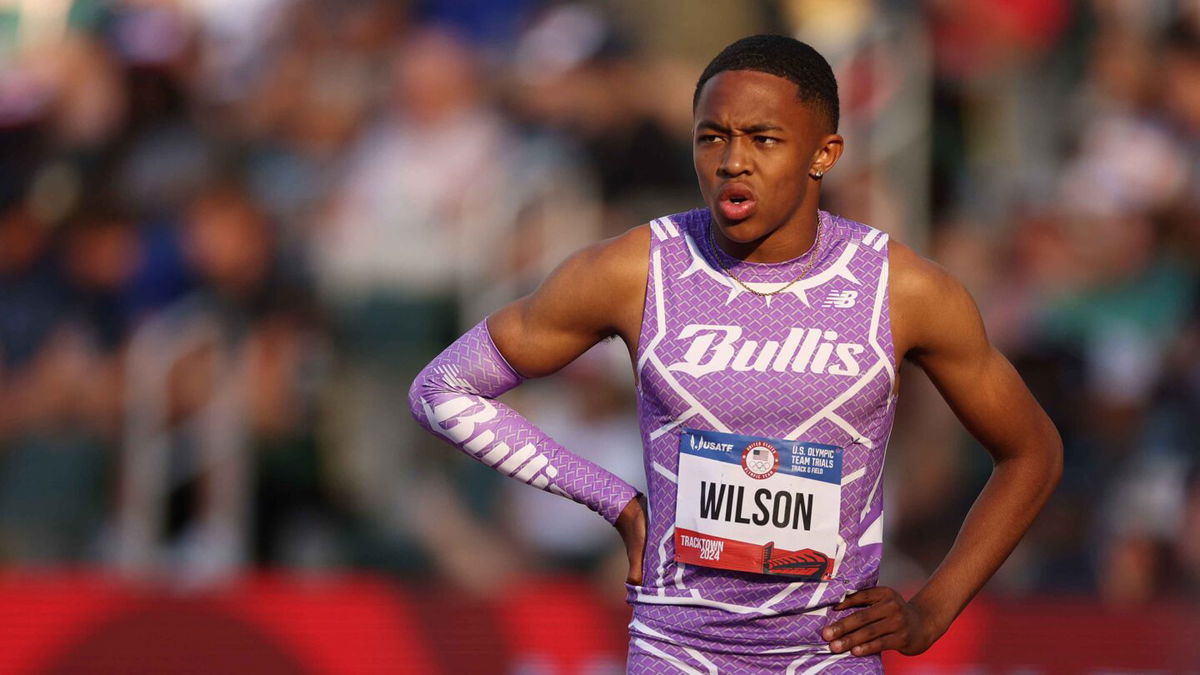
[(736, 202)]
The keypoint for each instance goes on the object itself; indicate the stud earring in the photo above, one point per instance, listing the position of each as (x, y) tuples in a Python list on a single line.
[(818, 173)]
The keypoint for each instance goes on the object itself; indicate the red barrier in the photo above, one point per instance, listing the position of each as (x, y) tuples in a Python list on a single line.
[(358, 625), (1066, 635), (86, 623)]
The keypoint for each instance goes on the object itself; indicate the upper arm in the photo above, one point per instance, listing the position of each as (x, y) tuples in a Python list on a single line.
[(937, 326), (595, 293)]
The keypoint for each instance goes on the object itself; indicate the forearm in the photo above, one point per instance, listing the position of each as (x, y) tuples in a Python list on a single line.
[(453, 397), (1014, 494)]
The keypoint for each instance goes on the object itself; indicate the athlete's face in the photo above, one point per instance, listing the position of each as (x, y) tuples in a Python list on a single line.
[(755, 144)]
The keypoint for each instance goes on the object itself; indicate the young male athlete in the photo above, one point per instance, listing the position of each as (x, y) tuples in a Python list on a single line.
[(766, 336)]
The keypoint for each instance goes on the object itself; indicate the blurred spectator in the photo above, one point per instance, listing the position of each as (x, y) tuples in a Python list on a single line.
[(49, 485), (216, 389), (575, 73), (444, 212)]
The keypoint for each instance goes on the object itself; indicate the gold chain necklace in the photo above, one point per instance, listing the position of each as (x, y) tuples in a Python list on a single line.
[(816, 247)]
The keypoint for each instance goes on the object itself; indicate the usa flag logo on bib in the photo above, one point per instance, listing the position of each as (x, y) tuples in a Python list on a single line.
[(760, 460)]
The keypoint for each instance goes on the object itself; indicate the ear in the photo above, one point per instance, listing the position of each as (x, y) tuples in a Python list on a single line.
[(828, 153)]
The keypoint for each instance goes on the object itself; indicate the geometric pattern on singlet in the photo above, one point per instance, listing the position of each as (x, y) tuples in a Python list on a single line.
[(713, 356)]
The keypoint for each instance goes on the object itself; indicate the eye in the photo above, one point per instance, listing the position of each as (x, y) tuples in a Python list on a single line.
[(766, 140), (708, 139)]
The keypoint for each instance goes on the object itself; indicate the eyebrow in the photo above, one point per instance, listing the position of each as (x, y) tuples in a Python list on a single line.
[(752, 129)]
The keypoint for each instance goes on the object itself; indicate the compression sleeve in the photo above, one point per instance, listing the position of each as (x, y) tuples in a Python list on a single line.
[(453, 397)]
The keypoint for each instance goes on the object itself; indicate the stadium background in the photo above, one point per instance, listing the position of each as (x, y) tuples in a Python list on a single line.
[(232, 230)]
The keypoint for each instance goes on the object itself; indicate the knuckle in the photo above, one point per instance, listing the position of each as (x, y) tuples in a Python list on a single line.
[(868, 632), (864, 615), (866, 648)]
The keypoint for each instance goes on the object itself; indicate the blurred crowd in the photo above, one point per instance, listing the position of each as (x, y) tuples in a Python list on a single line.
[(231, 231)]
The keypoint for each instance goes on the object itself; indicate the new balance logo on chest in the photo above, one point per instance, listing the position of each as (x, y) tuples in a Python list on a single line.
[(715, 348), (840, 299)]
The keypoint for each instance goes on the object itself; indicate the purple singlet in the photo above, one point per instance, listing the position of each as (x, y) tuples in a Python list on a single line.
[(764, 422)]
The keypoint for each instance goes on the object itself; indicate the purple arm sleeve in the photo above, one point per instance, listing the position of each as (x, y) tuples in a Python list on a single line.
[(453, 397)]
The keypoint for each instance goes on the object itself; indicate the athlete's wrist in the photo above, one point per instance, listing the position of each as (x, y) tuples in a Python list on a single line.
[(632, 516), (631, 525), (935, 616)]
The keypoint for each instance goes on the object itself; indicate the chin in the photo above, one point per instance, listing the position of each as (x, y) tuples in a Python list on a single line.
[(742, 231)]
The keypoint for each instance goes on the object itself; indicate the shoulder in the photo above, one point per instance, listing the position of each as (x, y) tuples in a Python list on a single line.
[(915, 278), (595, 293), (598, 288), (927, 302), (622, 259), (631, 246)]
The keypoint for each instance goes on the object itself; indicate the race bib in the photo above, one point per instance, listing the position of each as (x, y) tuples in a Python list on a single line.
[(758, 504)]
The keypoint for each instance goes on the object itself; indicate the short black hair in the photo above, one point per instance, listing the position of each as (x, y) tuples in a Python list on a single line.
[(784, 57)]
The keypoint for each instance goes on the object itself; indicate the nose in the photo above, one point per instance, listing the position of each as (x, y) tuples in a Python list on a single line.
[(735, 161)]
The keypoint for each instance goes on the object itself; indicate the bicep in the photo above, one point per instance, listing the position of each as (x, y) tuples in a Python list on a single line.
[(976, 380), (991, 400), (539, 334)]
